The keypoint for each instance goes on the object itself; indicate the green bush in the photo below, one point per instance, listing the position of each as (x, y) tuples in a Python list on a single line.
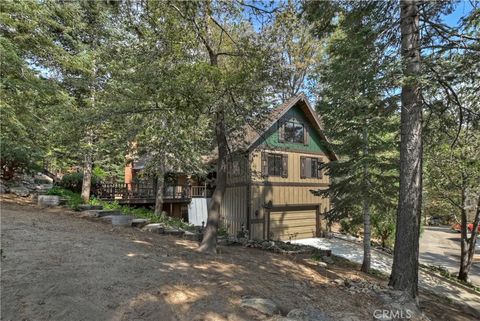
[(383, 227), (73, 199), (351, 226), (74, 181), (144, 213)]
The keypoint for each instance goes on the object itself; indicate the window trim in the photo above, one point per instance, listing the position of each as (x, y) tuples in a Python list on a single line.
[(318, 173), (283, 166), (282, 124), (276, 157)]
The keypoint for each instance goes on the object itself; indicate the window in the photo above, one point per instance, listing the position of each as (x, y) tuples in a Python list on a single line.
[(310, 167), (294, 132), (274, 165)]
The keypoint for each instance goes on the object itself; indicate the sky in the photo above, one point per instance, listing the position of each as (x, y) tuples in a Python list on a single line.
[(463, 7)]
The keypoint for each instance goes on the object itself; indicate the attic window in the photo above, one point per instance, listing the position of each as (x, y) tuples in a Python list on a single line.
[(294, 132)]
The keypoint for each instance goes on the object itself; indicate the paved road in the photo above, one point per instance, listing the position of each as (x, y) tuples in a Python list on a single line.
[(440, 246), (382, 262)]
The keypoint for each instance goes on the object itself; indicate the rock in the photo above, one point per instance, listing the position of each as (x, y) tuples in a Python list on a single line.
[(327, 259), (121, 220), (343, 316), (20, 191), (322, 264), (265, 306), (107, 218), (309, 314), (339, 282), (88, 207), (154, 228), (48, 200), (173, 231), (193, 236), (89, 214), (140, 222)]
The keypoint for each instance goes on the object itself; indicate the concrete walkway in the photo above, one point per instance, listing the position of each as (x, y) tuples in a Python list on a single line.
[(383, 262)]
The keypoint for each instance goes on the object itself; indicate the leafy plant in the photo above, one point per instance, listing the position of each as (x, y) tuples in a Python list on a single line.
[(73, 199), (351, 226), (383, 224), (144, 213)]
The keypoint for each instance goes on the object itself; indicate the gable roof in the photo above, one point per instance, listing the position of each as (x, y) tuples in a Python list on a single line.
[(251, 133)]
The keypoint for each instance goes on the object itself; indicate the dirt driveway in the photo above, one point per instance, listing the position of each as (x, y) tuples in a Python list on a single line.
[(56, 266)]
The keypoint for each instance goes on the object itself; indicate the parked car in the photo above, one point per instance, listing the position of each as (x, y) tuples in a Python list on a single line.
[(434, 221), (458, 227)]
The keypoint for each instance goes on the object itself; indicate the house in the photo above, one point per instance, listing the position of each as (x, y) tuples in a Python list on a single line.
[(272, 171), (185, 196)]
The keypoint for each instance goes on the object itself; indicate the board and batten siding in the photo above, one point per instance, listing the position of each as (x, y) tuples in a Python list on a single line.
[(282, 190), (234, 208)]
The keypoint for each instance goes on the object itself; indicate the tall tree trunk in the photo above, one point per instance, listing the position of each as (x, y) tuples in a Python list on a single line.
[(404, 275), (209, 242), (366, 209), (87, 173), (160, 185), (467, 245), (87, 167)]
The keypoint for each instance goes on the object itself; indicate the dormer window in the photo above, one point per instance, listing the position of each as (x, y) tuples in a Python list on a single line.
[(292, 132)]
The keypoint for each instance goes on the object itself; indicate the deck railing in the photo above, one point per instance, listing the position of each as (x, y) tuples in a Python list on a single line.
[(113, 191)]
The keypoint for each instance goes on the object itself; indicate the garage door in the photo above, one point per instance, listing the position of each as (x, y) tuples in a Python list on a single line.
[(292, 224)]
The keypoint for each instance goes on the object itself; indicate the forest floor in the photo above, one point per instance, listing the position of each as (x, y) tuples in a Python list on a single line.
[(58, 266)]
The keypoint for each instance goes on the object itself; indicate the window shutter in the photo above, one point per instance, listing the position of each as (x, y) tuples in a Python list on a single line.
[(319, 166), (285, 165), (302, 167), (305, 135), (308, 167), (264, 164), (281, 131)]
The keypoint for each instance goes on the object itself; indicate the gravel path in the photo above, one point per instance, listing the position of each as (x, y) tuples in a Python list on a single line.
[(382, 262)]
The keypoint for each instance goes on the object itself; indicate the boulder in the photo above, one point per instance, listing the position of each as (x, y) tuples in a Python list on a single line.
[(88, 207), (265, 306), (89, 214), (101, 213), (48, 200), (322, 264), (154, 228), (174, 231), (20, 191), (140, 222), (308, 314), (193, 236), (121, 220), (327, 259)]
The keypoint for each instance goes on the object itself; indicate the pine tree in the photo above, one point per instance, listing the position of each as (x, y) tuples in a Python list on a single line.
[(360, 121)]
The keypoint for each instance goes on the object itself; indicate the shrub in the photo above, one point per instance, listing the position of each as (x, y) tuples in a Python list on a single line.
[(73, 199), (350, 226), (383, 227), (144, 213), (74, 181)]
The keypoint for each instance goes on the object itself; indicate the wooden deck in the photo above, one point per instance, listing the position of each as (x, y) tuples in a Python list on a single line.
[(141, 193)]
